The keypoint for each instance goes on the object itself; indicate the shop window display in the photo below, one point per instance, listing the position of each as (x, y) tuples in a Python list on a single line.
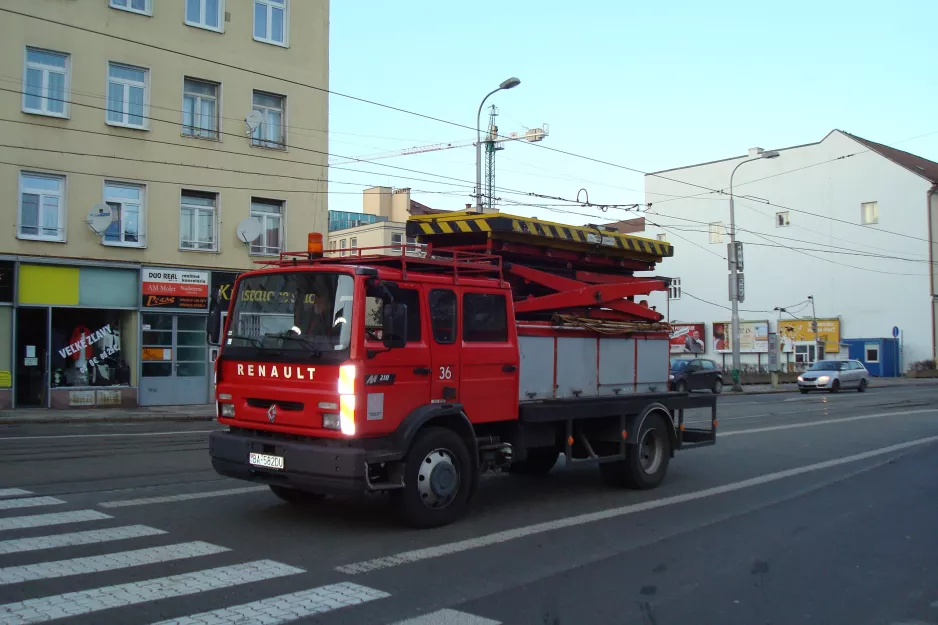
[(86, 347)]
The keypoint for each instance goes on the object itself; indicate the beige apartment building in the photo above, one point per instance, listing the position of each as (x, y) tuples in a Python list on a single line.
[(151, 149), (381, 224)]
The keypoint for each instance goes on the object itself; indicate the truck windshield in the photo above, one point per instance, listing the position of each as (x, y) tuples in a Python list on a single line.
[(291, 317)]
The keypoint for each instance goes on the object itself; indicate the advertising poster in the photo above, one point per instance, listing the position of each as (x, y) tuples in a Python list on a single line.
[(792, 331), (175, 288), (753, 337), (688, 338)]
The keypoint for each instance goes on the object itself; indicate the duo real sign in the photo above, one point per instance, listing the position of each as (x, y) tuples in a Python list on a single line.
[(174, 288)]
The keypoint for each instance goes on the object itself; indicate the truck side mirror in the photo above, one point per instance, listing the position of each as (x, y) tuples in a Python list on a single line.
[(213, 325), (394, 324)]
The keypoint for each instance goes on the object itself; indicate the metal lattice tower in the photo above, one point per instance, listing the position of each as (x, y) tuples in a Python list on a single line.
[(491, 146)]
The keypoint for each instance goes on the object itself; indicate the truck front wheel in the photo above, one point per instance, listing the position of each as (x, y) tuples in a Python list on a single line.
[(437, 480), (646, 463)]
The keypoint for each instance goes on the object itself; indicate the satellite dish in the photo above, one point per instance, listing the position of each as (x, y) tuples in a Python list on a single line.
[(248, 230), (100, 218), (253, 120)]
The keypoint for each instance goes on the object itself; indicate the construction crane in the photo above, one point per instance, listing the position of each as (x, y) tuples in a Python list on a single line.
[(492, 142)]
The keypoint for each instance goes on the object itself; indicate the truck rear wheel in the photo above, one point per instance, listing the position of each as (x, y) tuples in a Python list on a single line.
[(437, 480), (539, 462), (646, 462), (293, 495)]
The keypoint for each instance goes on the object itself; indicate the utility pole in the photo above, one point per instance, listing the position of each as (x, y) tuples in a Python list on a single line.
[(817, 350)]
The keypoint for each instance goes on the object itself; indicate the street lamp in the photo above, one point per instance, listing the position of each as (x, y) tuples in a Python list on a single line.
[(758, 153), (506, 84)]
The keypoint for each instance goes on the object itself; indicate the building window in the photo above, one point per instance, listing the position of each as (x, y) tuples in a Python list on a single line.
[(42, 207), (126, 203), (87, 347), (485, 318), (353, 243), (197, 221), (662, 237), (137, 6), (716, 232), (869, 213), (781, 219), (674, 289), (397, 239), (332, 245), (342, 247), (270, 215), (204, 14), (126, 95), (871, 351), (270, 132), (200, 108), (270, 21), (45, 83)]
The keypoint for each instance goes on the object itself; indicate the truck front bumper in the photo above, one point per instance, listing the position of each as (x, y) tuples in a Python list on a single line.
[(310, 465)]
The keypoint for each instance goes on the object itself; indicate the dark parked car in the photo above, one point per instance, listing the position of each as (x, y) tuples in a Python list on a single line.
[(695, 375)]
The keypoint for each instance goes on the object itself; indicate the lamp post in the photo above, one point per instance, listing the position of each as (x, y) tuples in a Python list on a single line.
[(758, 153), (510, 83)]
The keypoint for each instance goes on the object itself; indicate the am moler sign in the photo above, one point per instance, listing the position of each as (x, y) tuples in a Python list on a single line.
[(174, 288)]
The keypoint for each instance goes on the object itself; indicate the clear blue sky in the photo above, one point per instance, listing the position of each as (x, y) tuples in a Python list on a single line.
[(646, 85)]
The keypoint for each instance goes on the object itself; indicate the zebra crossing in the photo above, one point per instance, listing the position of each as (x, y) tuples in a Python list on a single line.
[(80, 532)]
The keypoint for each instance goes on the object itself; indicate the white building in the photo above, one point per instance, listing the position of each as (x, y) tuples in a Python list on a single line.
[(846, 220)]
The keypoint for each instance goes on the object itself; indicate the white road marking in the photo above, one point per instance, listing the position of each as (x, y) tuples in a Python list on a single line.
[(810, 424), (28, 502), (52, 436), (59, 518), (89, 601), (13, 492), (448, 617), (285, 608), (21, 545), (107, 562), (186, 497), (530, 530)]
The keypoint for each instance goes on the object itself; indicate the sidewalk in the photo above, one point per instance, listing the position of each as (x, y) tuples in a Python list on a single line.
[(764, 389), (202, 412)]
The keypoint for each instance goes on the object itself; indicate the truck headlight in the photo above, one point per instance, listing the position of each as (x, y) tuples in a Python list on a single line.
[(226, 410)]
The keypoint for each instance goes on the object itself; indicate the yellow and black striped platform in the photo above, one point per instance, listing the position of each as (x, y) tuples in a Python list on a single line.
[(463, 225)]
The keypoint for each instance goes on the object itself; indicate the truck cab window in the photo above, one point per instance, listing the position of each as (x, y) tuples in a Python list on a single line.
[(443, 315), (485, 318), (374, 304)]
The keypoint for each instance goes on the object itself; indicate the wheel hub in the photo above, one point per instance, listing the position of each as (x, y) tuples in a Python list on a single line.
[(650, 452), (438, 479)]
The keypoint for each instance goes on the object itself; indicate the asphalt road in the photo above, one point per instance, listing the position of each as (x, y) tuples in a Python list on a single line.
[(819, 509)]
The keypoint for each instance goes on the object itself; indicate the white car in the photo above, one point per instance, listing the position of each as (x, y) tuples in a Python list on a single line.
[(833, 375)]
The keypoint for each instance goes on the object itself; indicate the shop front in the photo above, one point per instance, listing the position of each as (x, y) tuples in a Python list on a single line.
[(7, 291), (74, 336), (174, 362)]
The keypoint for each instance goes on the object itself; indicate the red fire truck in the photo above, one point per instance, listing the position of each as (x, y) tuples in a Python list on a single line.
[(494, 342)]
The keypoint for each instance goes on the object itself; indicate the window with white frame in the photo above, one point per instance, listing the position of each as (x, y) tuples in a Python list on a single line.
[(397, 239), (674, 289), (126, 95), (270, 21), (716, 232), (662, 237), (128, 219), (137, 6), (270, 132), (45, 82), (869, 213), (42, 207), (782, 219), (269, 213), (871, 352), (197, 221), (342, 247), (332, 245), (353, 244), (204, 13), (200, 108)]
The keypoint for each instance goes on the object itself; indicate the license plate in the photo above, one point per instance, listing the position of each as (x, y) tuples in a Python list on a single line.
[(268, 462)]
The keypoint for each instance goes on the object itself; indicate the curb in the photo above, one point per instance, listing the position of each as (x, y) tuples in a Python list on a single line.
[(794, 388), (103, 419)]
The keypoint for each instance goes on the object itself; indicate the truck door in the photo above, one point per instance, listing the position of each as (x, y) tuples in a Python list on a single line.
[(444, 323), (489, 356)]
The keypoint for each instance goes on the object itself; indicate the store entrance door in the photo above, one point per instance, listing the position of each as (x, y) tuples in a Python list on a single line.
[(32, 365), (174, 370)]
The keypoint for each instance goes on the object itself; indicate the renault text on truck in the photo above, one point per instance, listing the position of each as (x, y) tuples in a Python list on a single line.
[(497, 342)]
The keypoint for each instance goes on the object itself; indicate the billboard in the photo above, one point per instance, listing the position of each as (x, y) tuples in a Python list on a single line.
[(688, 338), (174, 288), (753, 337), (791, 331)]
